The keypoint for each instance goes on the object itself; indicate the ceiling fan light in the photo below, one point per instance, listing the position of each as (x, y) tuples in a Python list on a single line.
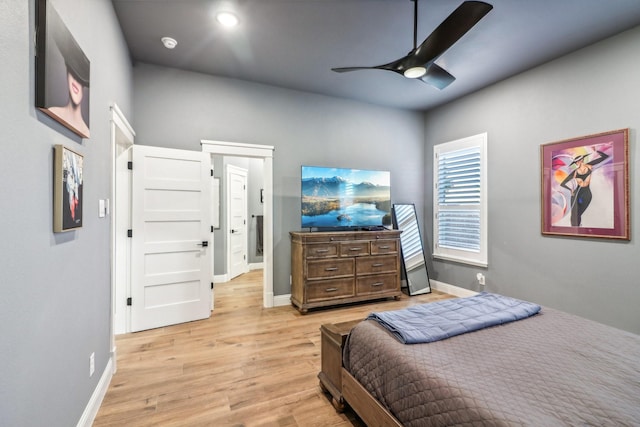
[(227, 19), (415, 72), (169, 42)]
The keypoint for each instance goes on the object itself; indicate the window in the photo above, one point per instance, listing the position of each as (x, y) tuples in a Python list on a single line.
[(459, 200)]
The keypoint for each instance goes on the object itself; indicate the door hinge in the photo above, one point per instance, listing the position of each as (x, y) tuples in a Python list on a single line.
[(212, 228), (211, 285), (130, 165), (129, 233), (129, 301), (211, 172)]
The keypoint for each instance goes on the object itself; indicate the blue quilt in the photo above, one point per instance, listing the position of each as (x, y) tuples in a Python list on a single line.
[(444, 319)]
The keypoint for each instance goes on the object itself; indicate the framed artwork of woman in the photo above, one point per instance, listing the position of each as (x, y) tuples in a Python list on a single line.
[(585, 186), (62, 72)]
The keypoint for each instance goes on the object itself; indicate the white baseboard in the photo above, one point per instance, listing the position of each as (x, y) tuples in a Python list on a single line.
[(91, 410), (451, 289), (256, 266), (281, 300), (220, 278)]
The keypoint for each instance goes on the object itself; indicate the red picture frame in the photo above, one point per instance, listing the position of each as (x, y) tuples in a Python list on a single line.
[(585, 186)]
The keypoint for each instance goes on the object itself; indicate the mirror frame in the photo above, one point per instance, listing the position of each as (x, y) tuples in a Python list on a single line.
[(405, 276)]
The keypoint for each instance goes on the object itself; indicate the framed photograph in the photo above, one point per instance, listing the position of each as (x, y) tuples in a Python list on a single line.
[(67, 189), (62, 72), (585, 186)]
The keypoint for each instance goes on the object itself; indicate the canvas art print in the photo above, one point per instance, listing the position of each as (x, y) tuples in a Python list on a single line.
[(62, 72), (67, 190), (585, 186)]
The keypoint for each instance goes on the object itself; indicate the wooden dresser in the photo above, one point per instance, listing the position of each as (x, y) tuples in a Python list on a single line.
[(331, 268)]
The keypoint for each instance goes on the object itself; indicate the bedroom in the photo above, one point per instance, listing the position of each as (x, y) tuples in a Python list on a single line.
[(52, 324)]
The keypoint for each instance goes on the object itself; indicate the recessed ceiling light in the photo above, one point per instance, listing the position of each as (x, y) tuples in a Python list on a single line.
[(227, 19), (169, 42)]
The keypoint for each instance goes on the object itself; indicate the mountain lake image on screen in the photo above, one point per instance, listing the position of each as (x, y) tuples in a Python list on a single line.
[(345, 198)]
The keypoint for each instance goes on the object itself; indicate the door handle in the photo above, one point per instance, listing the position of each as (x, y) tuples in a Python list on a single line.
[(204, 244), (233, 231)]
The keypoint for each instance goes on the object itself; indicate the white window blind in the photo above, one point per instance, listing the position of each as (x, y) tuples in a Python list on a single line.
[(460, 201)]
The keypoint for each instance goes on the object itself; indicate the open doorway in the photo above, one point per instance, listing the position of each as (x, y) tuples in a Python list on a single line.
[(265, 153)]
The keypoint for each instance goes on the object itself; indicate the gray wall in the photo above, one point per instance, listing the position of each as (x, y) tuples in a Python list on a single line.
[(55, 287), (590, 91), (177, 109)]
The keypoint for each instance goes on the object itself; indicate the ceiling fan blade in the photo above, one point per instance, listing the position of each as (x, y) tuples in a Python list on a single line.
[(437, 76), (450, 31), (347, 69)]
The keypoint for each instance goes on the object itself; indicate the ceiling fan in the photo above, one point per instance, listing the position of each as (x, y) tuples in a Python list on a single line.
[(420, 62)]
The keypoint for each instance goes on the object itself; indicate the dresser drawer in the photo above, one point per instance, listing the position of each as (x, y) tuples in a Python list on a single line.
[(377, 284), (321, 250), (381, 247), (330, 289), (355, 248), (377, 264), (329, 268)]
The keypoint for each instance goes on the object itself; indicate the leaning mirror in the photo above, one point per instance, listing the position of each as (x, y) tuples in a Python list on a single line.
[(413, 262)]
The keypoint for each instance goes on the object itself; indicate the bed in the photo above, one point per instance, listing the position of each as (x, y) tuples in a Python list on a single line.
[(548, 369)]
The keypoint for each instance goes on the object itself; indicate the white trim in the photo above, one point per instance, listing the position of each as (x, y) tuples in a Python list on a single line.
[(91, 410), (220, 278), (256, 266), (266, 153), (122, 135), (281, 300), (451, 289), (461, 260), (481, 257), (237, 149)]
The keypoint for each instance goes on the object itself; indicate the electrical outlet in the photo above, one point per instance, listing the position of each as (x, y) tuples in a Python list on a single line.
[(92, 364), (480, 278)]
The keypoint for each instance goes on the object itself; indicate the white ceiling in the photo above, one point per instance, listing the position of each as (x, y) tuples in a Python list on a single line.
[(295, 43)]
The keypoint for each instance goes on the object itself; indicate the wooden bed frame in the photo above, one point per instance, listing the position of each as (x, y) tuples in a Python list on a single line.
[(343, 388)]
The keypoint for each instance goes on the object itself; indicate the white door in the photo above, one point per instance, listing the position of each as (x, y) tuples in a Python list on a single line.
[(171, 230), (237, 220)]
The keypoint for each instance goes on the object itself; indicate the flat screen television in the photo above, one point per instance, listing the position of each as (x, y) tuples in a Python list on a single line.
[(338, 198)]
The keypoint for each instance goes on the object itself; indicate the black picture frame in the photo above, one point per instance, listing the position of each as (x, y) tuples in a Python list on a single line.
[(67, 189)]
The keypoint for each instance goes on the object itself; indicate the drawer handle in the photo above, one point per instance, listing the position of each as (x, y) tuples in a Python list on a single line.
[(384, 247), (354, 249), (377, 264), (331, 269), (377, 284), (331, 289), (321, 251)]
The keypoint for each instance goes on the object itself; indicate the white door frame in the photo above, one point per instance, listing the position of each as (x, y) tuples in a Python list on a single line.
[(122, 138), (264, 152)]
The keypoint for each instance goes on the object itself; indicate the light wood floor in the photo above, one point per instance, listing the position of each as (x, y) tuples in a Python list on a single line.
[(244, 366)]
